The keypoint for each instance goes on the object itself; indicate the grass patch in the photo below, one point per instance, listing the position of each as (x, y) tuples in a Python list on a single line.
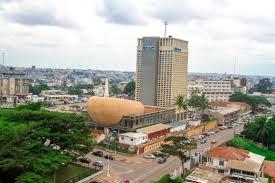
[(71, 170), (242, 143)]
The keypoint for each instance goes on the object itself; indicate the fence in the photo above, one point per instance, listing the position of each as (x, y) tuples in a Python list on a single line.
[(83, 175)]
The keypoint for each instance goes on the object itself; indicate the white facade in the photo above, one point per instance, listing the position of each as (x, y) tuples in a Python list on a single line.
[(177, 127), (132, 138), (249, 169), (214, 90)]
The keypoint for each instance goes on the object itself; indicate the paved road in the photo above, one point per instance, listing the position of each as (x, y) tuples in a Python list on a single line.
[(149, 171)]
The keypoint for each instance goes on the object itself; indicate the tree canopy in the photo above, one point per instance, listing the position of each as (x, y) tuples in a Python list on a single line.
[(130, 88), (180, 147), (199, 102), (33, 144), (254, 101), (262, 130), (264, 86), (36, 89)]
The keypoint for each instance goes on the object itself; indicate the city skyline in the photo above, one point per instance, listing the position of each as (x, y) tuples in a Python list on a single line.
[(69, 34)]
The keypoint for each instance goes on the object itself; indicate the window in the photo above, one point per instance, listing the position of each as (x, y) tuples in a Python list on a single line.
[(221, 163), (122, 137), (132, 139)]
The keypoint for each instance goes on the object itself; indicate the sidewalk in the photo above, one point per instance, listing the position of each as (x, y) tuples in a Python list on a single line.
[(126, 158)]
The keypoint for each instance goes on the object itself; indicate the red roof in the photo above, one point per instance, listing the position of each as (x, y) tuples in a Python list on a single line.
[(225, 104), (228, 153), (269, 168)]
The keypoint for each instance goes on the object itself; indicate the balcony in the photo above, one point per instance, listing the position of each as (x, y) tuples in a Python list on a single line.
[(243, 176)]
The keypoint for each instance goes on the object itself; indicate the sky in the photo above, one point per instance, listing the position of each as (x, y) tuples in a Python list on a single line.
[(102, 34)]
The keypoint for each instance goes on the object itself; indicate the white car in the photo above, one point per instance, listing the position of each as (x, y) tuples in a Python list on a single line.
[(149, 156)]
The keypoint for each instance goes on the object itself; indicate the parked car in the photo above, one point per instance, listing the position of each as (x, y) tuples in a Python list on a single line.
[(158, 153), (84, 160), (94, 181), (162, 160), (203, 141), (110, 157), (149, 156), (98, 164), (98, 153)]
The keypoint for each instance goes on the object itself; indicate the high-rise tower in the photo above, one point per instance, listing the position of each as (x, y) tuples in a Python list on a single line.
[(161, 70)]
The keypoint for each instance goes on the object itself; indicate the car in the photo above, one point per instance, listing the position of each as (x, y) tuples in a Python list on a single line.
[(84, 160), (110, 157), (162, 160), (158, 153), (94, 181), (98, 164), (98, 153), (203, 141), (149, 156)]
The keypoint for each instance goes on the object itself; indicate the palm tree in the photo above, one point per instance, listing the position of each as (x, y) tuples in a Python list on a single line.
[(200, 103), (263, 130), (181, 102)]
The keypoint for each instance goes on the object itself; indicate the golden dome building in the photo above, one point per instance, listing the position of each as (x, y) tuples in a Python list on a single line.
[(125, 115)]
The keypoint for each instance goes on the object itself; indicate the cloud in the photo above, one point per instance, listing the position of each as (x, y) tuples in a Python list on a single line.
[(123, 12), (34, 13), (175, 11)]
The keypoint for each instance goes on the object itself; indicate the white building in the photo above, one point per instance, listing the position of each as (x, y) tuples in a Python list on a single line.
[(214, 90), (237, 164), (132, 138), (98, 91)]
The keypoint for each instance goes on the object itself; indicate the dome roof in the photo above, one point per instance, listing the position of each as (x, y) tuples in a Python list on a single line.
[(109, 111)]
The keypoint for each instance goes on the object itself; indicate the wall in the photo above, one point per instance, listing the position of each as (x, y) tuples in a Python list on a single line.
[(136, 141), (200, 129)]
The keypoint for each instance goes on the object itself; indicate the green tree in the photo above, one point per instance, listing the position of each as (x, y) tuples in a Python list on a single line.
[(36, 89), (178, 146), (115, 90), (254, 101), (200, 103), (264, 86), (263, 130), (22, 137), (31, 177), (181, 102), (130, 88)]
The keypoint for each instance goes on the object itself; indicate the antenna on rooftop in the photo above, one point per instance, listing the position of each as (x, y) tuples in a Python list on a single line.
[(165, 27), (235, 65)]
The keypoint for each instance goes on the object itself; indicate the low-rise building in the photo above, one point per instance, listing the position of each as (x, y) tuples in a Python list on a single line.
[(60, 97), (155, 131), (245, 109), (237, 164), (225, 116), (132, 138), (13, 84)]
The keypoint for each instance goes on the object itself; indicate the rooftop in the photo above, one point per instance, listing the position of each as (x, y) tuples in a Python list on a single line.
[(176, 124), (227, 111), (203, 176), (153, 128), (228, 153), (238, 158), (269, 168), (225, 104), (133, 135)]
